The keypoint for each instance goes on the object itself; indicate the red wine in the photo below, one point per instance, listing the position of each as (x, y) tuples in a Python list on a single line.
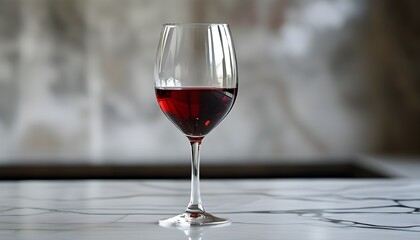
[(196, 110)]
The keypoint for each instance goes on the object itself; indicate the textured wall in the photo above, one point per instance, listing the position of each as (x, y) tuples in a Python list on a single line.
[(76, 81)]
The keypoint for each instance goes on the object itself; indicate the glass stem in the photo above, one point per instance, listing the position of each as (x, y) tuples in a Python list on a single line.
[(195, 205)]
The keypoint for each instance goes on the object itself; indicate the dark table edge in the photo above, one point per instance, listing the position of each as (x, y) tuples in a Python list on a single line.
[(348, 169)]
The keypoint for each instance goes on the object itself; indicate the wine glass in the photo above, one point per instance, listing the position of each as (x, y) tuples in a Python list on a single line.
[(196, 86)]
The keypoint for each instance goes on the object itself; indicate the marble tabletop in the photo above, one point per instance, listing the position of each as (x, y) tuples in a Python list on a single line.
[(259, 209)]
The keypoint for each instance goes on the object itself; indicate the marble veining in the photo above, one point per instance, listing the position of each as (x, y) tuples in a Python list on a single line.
[(259, 209)]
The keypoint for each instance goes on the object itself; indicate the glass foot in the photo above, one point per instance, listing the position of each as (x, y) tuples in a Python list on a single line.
[(188, 219)]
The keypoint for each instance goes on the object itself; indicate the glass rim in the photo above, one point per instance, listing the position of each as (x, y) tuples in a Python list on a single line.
[(194, 24)]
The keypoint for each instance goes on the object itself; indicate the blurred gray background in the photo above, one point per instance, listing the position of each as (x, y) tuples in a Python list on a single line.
[(317, 79)]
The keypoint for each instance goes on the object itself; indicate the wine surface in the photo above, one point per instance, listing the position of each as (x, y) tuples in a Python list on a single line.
[(196, 110)]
